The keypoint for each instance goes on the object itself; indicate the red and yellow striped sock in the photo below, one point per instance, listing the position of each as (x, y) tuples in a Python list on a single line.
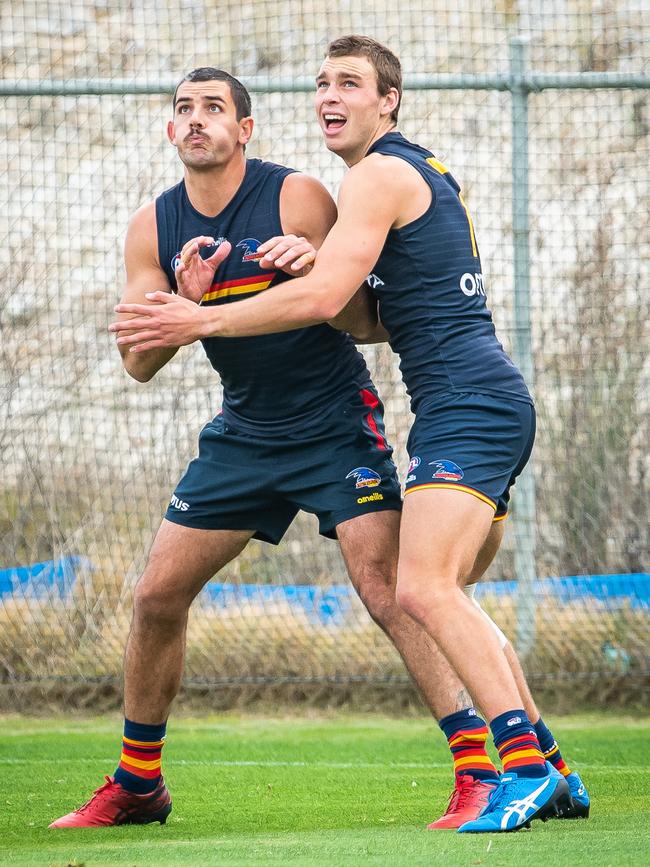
[(516, 741), (466, 735), (140, 766), (550, 748)]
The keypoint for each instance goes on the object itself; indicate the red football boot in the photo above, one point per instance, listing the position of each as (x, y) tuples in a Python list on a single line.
[(113, 805), (465, 803)]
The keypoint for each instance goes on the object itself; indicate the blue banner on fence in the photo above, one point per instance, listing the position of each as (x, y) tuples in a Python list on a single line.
[(39, 579), (330, 605)]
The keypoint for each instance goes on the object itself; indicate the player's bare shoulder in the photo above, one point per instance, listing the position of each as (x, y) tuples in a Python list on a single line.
[(396, 183), (306, 207), (386, 184)]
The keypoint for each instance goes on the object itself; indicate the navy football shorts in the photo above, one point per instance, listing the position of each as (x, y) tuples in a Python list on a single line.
[(338, 471), (470, 442)]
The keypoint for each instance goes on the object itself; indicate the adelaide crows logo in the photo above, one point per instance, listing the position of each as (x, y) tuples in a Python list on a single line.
[(365, 477), (250, 246), (446, 470)]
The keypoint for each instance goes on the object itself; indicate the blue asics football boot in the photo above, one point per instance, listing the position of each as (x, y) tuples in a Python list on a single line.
[(516, 801), (580, 802)]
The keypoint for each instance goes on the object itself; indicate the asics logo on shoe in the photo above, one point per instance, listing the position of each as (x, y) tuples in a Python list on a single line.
[(513, 721), (524, 806), (581, 790)]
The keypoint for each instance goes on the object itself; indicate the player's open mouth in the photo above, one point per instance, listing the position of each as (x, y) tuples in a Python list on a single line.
[(334, 122)]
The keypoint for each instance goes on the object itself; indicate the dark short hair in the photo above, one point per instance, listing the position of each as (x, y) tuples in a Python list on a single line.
[(240, 96), (385, 63)]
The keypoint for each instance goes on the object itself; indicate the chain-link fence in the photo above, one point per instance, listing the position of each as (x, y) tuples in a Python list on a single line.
[(90, 457)]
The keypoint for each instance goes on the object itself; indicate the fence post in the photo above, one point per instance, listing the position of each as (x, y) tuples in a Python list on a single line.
[(525, 517)]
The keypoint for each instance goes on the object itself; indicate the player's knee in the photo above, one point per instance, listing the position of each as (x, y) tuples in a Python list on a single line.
[(381, 605), (424, 602), (375, 585), (409, 599), (154, 605)]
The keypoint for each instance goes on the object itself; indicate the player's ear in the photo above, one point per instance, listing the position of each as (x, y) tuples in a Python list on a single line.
[(171, 131), (391, 101), (245, 130)]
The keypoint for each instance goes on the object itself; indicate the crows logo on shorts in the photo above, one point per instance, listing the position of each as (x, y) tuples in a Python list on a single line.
[(446, 470), (250, 246), (365, 477), (414, 464)]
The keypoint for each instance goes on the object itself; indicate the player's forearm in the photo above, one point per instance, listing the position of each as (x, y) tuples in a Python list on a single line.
[(144, 366), (377, 334), (283, 308), (360, 318)]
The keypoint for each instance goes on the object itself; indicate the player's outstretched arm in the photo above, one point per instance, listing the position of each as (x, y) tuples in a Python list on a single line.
[(372, 198), (143, 274)]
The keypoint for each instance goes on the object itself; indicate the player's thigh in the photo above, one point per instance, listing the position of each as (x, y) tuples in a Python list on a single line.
[(441, 534), (369, 545), (488, 552), (182, 559)]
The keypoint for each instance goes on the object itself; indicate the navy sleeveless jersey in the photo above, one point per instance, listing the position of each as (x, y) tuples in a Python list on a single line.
[(429, 285), (274, 382)]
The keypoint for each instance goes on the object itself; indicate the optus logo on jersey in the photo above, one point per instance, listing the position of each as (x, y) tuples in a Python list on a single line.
[(472, 284)]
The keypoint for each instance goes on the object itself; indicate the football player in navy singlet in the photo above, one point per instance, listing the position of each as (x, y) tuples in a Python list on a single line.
[(402, 220), (300, 426)]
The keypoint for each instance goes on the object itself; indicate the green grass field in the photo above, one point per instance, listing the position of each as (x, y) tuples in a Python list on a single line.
[(338, 789)]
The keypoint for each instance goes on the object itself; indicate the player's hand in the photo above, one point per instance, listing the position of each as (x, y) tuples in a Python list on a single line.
[(194, 275), (289, 253), (168, 321)]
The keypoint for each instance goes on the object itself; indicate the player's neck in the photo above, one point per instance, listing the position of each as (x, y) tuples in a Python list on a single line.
[(361, 151), (211, 190)]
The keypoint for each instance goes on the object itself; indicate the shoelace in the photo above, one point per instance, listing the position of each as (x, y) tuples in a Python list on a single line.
[(96, 794), (498, 794), (460, 795)]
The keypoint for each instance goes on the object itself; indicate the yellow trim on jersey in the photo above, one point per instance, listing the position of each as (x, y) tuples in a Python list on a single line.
[(471, 226), (450, 487), (500, 517), (236, 290), (140, 763), (437, 165)]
